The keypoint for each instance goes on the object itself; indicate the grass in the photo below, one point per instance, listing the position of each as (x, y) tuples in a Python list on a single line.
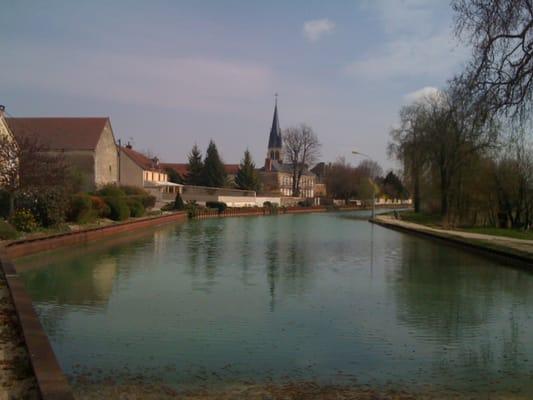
[(435, 220), (511, 233)]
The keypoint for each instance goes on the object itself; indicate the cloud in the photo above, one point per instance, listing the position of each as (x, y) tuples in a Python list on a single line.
[(425, 92), (417, 43), (200, 83), (434, 56), (313, 30)]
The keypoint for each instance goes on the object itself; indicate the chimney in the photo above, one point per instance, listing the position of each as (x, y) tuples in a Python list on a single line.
[(129, 146), (2, 110)]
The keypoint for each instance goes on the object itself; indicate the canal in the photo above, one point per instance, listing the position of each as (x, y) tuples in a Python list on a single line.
[(327, 298)]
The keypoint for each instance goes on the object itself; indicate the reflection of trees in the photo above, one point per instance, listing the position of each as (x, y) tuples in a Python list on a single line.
[(456, 299), (212, 235), (287, 255)]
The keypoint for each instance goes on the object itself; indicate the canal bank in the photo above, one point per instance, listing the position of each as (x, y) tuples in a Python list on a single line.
[(519, 250)]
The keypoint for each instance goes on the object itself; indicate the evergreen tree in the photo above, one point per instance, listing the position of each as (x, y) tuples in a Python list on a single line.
[(214, 173), (247, 178), (195, 168)]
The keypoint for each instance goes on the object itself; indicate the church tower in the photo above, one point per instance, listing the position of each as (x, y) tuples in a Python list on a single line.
[(275, 145)]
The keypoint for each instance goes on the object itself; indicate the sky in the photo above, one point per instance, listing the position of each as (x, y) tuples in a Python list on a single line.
[(170, 74)]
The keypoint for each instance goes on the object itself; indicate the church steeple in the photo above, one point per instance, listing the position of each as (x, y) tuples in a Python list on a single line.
[(275, 143)]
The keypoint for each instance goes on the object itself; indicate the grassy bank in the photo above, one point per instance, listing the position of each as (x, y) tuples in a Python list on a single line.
[(436, 221)]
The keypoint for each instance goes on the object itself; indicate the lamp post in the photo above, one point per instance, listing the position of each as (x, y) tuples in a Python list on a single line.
[(355, 152)]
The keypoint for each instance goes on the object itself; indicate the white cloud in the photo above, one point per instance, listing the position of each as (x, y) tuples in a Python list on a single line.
[(425, 92), (173, 82), (313, 30), (434, 56), (417, 43)]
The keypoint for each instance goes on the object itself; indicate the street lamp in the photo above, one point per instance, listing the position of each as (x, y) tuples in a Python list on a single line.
[(358, 153)]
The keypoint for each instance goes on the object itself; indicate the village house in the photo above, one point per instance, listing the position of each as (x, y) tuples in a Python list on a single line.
[(88, 144), (136, 169)]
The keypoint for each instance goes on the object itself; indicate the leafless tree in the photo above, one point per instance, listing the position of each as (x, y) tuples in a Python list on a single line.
[(26, 163), (302, 149), (501, 34)]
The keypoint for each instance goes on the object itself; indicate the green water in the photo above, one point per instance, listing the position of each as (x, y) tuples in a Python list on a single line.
[(321, 297)]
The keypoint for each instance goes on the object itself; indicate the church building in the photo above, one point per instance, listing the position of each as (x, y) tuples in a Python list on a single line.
[(276, 176)]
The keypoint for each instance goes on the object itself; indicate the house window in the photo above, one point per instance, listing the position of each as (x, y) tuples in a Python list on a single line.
[(110, 169)]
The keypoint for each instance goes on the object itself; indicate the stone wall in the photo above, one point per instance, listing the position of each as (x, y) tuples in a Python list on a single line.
[(130, 173), (106, 158)]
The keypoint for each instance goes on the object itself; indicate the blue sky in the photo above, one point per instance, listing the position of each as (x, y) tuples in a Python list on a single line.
[(174, 73)]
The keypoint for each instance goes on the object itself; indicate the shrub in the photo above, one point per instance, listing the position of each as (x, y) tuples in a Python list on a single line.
[(4, 204), (219, 205), (7, 232), (134, 190), (148, 201), (111, 191), (178, 203), (100, 207), (135, 206), (23, 220), (306, 203), (48, 205), (118, 208), (81, 209), (192, 209)]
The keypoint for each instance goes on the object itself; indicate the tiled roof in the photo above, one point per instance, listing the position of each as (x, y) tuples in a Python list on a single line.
[(60, 133), (141, 160)]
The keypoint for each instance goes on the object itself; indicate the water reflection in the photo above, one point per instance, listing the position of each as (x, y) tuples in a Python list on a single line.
[(308, 297)]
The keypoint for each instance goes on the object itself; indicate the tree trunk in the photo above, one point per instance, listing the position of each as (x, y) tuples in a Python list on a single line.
[(416, 194)]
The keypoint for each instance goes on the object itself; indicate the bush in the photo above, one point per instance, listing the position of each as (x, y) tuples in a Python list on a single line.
[(7, 232), (111, 191), (134, 191), (192, 209), (48, 205), (136, 207), (148, 201), (23, 220), (306, 203), (4, 204), (118, 208), (178, 203), (100, 207), (81, 209), (219, 205)]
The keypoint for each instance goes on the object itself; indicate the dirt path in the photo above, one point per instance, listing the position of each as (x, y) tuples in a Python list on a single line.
[(16, 375)]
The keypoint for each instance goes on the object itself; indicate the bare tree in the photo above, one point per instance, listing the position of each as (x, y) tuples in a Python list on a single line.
[(501, 34), (302, 149), (25, 163)]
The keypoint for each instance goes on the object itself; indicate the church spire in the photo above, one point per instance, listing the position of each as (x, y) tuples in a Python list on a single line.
[(274, 140)]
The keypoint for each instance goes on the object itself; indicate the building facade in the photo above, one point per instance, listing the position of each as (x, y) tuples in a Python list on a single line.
[(88, 145), (276, 176)]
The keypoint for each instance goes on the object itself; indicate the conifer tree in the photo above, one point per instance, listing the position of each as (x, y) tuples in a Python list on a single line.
[(247, 178), (214, 173), (195, 168)]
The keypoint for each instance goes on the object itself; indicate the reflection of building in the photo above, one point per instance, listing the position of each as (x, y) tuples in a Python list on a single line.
[(88, 144), (104, 274), (277, 176)]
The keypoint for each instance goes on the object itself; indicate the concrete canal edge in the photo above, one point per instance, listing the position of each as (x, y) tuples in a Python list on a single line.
[(521, 259), (51, 381)]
